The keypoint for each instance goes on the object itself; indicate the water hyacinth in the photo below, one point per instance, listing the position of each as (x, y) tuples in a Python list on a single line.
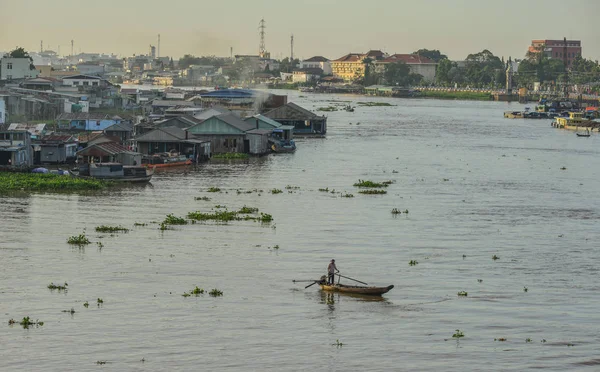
[(48, 182)]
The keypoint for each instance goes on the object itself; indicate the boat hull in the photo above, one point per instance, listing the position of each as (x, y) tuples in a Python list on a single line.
[(370, 291), (168, 164)]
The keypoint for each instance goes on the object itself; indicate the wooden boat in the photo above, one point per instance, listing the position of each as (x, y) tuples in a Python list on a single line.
[(116, 172), (160, 161), (582, 134), (355, 289)]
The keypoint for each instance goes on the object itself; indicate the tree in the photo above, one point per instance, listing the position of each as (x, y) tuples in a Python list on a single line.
[(434, 54), (19, 52), (285, 65), (368, 79), (442, 74), (481, 68), (397, 73), (171, 64)]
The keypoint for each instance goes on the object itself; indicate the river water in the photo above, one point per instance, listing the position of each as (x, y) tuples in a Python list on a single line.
[(475, 185)]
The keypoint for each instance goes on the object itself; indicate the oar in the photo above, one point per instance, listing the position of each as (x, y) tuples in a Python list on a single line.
[(310, 285), (299, 281), (351, 279)]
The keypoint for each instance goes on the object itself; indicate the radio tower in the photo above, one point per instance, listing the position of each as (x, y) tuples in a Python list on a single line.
[(158, 51), (262, 51), (292, 48)]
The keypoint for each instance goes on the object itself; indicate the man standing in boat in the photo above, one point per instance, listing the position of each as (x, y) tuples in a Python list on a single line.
[(331, 270)]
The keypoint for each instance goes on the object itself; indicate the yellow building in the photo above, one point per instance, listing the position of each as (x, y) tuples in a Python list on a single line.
[(352, 66)]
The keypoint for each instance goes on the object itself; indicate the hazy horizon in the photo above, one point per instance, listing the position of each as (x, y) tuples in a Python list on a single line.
[(457, 28)]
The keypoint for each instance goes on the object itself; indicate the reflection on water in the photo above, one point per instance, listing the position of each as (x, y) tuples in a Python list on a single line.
[(475, 186)]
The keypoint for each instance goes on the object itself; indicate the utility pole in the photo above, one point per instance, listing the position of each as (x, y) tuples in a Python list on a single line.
[(261, 47), (292, 48), (231, 53), (566, 64), (158, 51), (72, 43), (41, 46)]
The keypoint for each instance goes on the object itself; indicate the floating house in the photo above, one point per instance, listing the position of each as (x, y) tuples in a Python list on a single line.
[(226, 133), (16, 149), (109, 152), (305, 123), (172, 139), (86, 121), (36, 130), (55, 149), (123, 131), (285, 132)]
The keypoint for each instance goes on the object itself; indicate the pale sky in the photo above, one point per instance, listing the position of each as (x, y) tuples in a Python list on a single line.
[(330, 28)]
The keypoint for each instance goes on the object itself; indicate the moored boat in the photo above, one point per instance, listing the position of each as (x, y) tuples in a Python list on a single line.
[(116, 172), (163, 161), (355, 289)]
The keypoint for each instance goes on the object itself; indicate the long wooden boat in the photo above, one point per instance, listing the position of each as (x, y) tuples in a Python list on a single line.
[(164, 162), (582, 134), (115, 172), (355, 289)]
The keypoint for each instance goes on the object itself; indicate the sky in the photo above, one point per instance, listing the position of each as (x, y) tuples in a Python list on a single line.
[(331, 28)]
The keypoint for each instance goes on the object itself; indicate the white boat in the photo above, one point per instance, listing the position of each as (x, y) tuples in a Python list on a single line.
[(116, 172)]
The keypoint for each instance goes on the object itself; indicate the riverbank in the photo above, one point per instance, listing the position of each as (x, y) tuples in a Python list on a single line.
[(47, 182), (471, 96)]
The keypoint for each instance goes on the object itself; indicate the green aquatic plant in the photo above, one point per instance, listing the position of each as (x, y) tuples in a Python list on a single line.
[(528, 340), (374, 104), (80, 239), (371, 184), (86, 304), (494, 257), (413, 262), (203, 198), (327, 109), (396, 211), (215, 292), (221, 216), (100, 245), (338, 343), (101, 362), (247, 210), (173, 220), (111, 229), (48, 182), (264, 218), (290, 187), (196, 292), (231, 155), (324, 190), (525, 289), (276, 191), (139, 224), (462, 294), (276, 246), (26, 322), (347, 195), (458, 334), (479, 280), (373, 192), (219, 206), (72, 311), (100, 301), (501, 339), (57, 287), (214, 189)]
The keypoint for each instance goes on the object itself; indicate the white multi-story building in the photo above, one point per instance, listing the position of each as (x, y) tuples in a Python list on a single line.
[(317, 62), (17, 69)]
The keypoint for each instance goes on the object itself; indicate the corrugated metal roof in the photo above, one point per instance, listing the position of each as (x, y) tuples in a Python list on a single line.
[(291, 111), (58, 138), (231, 93), (409, 59), (82, 116), (103, 149), (264, 119), (260, 131), (171, 103), (167, 134), (316, 59)]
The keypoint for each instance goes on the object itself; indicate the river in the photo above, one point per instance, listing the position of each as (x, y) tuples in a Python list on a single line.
[(475, 185)]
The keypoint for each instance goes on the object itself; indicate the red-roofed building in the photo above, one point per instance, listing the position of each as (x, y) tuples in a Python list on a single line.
[(557, 49), (418, 64)]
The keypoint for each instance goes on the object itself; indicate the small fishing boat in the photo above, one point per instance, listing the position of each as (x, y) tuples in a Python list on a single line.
[(283, 146), (355, 289), (165, 160), (582, 134)]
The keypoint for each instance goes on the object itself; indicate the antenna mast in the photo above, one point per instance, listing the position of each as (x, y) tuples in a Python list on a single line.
[(565, 61), (158, 51), (72, 43), (261, 47), (292, 48)]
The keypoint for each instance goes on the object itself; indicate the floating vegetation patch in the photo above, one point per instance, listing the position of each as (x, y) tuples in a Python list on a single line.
[(80, 239), (203, 198), (371, 184), (276, 246), (374, 104), (525, 289), (215, 292), (327, 109), (196, 292), (290, 187), (227, 216), (86, 304), (26, 322), (101, 362), (48, 182), (479, 280), (501, 339), (140, 224), (247, 210), (347, 195), (462, 294), (324, 190), (373, 192), (173, 220), (413, 262), (100, 301), (231, 155), (219, 206), (72, 311), (58, 287), (528, 340), (458, 334), (276, 191), (338, 343), (494, 257), (111, 229), (398, 211), (214, 189)]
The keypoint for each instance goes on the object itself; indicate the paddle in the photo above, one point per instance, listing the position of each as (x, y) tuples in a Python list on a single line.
[(310, 285), (298, 281), (351, 279)]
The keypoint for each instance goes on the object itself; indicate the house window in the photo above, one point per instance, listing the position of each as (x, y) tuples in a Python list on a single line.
[(98, 123), (75, 83), (94, 83), (86, 83), (8, 77), (9, 66)]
